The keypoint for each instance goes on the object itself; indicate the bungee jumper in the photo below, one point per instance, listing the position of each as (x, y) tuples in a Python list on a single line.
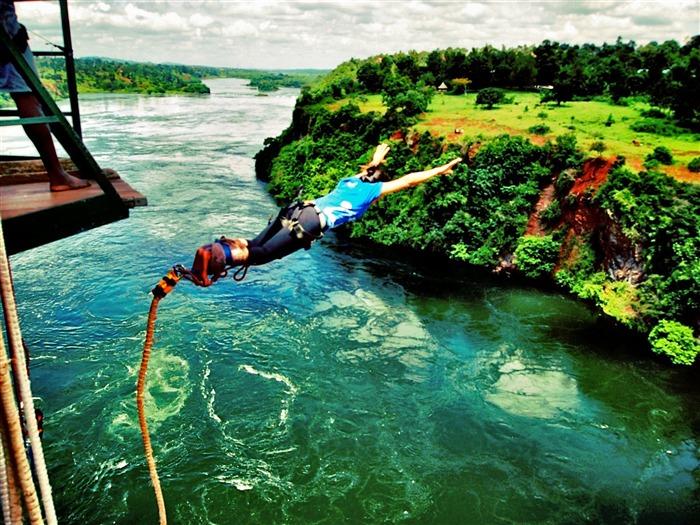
[(296, 226), (300, 224)]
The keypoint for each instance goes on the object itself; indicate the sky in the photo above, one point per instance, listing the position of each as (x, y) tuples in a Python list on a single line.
[(304, 34)]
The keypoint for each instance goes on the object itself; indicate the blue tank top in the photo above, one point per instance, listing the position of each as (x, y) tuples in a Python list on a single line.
[(348, 201)]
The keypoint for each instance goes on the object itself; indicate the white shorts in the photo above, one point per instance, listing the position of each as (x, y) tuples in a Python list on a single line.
[(10, 80)]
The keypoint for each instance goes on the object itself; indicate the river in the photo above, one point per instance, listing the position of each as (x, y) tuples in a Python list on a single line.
[(342, 385)]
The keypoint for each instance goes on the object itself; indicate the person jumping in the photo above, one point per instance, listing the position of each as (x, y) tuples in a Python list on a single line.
[(301, 223)]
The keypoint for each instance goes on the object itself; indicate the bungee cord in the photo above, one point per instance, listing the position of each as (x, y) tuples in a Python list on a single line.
[(163, 288), (140, 388)]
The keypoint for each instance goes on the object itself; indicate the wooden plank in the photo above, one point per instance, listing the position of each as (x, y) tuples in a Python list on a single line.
[(24, 188), (32, 215), (21, 199), (44, 226)]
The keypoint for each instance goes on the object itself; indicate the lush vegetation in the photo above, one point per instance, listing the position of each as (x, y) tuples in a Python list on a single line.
[(98, 75), (628, 242), (664, 73), (115, 76)]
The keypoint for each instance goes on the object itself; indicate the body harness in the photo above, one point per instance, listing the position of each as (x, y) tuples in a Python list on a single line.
[(293, 225)]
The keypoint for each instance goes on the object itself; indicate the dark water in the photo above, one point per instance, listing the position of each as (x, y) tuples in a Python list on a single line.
[(342, 385)]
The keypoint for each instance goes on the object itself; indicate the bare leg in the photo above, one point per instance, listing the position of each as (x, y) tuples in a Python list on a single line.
[(40, 134)]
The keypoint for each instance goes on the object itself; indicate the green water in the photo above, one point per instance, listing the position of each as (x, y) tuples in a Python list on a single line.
[(345, 384)]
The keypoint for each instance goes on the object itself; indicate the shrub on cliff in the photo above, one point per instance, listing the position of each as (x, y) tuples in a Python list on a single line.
[(563, 154), (536, 256), (661, 214), (675, 340)]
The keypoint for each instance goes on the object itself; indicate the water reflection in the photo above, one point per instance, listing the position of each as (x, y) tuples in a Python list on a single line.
[(534, 393)]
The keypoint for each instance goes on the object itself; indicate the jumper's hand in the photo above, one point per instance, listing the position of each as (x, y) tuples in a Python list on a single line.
[(209, 260), (379, 154), (447, 168)]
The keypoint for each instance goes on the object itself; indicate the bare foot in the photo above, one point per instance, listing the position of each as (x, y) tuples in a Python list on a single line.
[(66, 182)]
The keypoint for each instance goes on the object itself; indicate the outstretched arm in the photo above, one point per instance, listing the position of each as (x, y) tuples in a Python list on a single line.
[(379, 154), (413, 179)]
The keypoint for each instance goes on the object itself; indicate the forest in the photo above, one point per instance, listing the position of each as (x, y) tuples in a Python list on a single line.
[(553, 212)]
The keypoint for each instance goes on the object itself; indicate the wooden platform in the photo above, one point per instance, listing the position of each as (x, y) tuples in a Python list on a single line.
[(32, 215)]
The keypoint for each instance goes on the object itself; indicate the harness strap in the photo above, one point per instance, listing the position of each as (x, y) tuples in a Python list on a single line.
[(293, 225)]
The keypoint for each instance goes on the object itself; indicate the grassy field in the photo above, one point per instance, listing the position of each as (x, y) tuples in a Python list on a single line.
[(587, 120)]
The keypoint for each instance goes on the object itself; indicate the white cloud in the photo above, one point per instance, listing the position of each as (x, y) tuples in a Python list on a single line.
[(239, 28), (323, 33), (200, 20), (101, 6)]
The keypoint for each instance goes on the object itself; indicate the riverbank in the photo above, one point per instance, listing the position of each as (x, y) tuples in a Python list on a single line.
[(623, 239)]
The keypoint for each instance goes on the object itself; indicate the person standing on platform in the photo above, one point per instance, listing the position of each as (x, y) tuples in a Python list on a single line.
[(28, 105)]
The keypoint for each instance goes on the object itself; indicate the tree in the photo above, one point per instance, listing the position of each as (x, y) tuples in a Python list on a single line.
[(489, 97), (546, 62), (480, 67), (598, 146), (408, 103), (407, 66), (536, 256), (523, 70), (685, 85), (564, 86), (370, 77), (464, 82), (455, 64), (436, 64)]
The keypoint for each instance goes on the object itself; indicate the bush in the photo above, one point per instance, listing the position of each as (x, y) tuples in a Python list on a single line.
[(661, 154), (565, 181), (655, 126), (654, 113), (552, 214), (539, 129), (694, 165), (536, 256), (675, 340), (651, 164)]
